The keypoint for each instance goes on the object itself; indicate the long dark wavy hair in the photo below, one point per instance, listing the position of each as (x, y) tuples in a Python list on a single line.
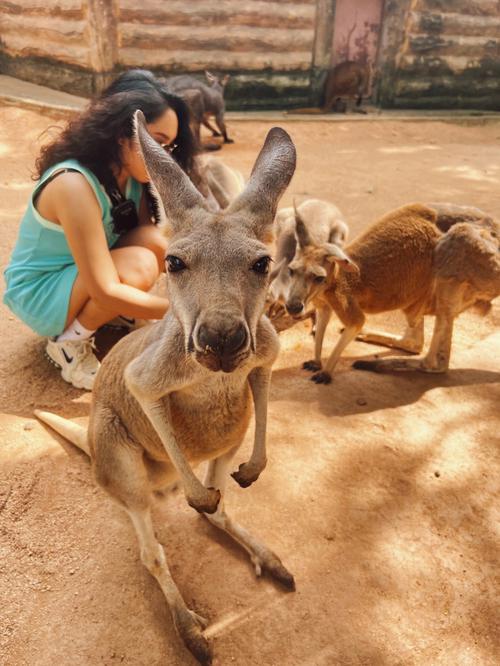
[(93, 136)]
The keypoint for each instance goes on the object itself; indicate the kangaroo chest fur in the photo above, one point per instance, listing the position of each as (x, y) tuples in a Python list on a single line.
[(209, 413)]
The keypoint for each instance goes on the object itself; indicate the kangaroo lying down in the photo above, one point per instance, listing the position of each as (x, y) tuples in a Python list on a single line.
[(419, 259), (174, 394)]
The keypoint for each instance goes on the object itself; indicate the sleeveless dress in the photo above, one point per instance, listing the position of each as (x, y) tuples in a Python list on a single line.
[(42, 271)]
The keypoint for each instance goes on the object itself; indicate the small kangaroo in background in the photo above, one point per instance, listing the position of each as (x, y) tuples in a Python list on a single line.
[(436, 259), (212, 96), (179, 392), (347, 79)]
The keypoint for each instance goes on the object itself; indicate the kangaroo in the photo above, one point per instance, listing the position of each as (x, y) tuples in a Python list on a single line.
[(347, 79), (414, 259), (176, 393), (323, 223), (224, 183), (213, 99)]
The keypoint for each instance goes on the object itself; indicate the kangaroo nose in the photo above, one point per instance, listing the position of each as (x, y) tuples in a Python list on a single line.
[(222, 343), (294, 307)]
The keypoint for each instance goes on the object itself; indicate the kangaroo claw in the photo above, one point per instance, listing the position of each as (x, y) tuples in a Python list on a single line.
[(312, 366), (272, 565), (189, 629), (322, 378)]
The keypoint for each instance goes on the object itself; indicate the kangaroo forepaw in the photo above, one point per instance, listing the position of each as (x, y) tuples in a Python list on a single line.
[(227, 140), (205, 502), (312, 366), (272, 565), (246, 474), (322, 378), (189, 628)]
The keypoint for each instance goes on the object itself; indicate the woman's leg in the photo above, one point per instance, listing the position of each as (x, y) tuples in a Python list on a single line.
[(147, 235), (136, 266)]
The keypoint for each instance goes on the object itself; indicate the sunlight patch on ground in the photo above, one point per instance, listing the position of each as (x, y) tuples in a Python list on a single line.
[(25, 439), (4, 149), (490, 175), (407, 150), (16, 184)]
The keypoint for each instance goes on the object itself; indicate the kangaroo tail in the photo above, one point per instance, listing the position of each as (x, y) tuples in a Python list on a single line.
[(73, 432)]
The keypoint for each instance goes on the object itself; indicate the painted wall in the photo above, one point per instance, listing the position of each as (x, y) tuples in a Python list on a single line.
[(356, 31)]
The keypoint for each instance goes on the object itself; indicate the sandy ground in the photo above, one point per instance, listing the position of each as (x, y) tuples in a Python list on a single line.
[(381, 492)]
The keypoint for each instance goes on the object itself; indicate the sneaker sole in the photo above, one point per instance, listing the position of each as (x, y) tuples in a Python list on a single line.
[(68, 381)]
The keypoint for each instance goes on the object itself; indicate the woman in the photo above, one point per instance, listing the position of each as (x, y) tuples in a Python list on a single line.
[(88, 250)]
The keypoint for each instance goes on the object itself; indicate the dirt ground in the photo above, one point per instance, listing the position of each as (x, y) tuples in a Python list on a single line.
[(381, 491)]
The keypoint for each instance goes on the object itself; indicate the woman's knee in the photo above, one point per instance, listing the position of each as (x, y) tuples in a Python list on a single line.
[(148, 236), (137, 267)]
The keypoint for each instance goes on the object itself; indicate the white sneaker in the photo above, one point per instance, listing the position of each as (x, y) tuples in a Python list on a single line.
[(76, 359)]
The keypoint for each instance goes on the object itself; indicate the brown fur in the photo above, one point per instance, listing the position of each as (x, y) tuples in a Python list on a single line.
[(347, 79), (404, 261), (322, 222)]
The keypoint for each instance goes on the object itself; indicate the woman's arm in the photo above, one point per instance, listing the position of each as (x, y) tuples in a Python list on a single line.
[(70, 201)]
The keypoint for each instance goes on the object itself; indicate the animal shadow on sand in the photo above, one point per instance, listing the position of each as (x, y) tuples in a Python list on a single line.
[(358, 391)]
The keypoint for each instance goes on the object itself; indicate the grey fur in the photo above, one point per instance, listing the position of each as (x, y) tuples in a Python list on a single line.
[(164, 401)]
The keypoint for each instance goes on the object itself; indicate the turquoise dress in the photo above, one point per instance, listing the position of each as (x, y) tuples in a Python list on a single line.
[(42, 271)]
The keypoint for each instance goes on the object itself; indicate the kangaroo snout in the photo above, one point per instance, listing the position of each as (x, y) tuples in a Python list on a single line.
[(294, 308), (219, 345)]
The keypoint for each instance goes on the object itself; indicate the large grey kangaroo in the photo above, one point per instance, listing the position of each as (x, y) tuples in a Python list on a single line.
[(174, 394)]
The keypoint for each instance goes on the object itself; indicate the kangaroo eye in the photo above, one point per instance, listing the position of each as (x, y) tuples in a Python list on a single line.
[(262, 265), (174, 264), (291, 272), (319, 279)]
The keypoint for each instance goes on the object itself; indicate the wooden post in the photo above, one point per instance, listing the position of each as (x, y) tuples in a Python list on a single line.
[(102, 27), (322, 48)]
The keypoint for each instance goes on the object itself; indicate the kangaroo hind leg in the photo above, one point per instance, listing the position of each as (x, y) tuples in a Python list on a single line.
[(120, 470)]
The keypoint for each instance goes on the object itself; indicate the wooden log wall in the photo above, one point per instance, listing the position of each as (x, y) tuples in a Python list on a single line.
[(432, 53), (79, 45), (42, 39), (266, 44), (448, 56)]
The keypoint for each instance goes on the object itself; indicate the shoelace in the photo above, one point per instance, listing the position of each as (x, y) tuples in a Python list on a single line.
[(85, 354)]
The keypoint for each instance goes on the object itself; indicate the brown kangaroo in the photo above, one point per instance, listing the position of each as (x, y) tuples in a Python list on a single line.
[(414, 259)]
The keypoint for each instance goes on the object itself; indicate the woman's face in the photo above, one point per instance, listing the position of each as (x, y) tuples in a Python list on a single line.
[(163, 130)]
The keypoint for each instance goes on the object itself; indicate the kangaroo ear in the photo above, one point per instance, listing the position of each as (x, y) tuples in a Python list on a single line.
[(210, 77), (270, 177), (277, 269), (336, 254), (225, 80), (301, 229), (170, 186)]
